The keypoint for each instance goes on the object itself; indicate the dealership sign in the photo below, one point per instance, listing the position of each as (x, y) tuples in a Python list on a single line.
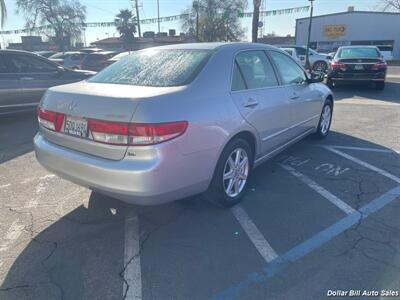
[(335, 31)]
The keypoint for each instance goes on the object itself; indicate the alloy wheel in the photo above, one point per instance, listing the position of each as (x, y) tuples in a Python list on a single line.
[(326, 119), (236, 171)]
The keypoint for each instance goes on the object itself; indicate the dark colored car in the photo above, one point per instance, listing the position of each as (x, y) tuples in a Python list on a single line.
[(97, 61), (358, 64), (24, 77), (44, 53)]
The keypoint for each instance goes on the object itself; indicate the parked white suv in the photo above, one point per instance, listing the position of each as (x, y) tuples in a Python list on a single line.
[(318, 61)]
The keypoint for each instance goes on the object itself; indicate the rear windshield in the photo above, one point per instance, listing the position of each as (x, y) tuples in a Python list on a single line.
[(158, 68), (358, 52)]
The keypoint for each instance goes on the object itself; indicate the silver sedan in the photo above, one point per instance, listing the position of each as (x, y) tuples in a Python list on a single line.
[(169, 122)]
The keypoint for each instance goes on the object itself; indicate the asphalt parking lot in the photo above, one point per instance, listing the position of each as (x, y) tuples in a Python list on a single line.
[(323, 215)]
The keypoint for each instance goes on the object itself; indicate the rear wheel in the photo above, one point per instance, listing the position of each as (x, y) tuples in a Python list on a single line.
[(380, 85), (230, 179), (325, 120), (320, 66)]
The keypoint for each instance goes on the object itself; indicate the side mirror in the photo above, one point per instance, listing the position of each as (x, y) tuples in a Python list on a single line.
[(316, 77)]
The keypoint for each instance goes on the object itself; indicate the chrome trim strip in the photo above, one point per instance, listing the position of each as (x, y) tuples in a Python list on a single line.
[(268, 155), (20, 105), (289, 128)]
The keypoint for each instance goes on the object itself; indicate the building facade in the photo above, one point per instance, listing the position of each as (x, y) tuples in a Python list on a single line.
[(351, 28)]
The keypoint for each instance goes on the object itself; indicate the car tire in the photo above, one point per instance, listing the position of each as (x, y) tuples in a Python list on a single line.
[(224, 192), (380, 85), (325, 120), (320, 66)]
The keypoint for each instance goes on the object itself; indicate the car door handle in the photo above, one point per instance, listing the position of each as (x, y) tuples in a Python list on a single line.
[(251, 103), (294, 96), (27, 78)]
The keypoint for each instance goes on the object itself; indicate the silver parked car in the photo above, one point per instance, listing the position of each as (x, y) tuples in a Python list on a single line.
[(173, 121)]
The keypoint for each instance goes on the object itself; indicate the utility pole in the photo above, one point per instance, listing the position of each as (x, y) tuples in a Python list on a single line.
[(137, 17), (158, 15), (255, 22), (196, 8), (308, 66)]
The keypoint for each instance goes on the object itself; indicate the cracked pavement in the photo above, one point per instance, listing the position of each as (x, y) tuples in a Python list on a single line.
[(61, 241)]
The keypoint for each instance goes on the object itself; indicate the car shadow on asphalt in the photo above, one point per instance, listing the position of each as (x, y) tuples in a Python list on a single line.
[(391, 93), (80, 255), (16, 134)]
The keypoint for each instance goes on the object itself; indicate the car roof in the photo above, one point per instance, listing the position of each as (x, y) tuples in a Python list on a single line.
[(101, 53), (16, 51), (214, 46), (290, 46), (358, 46)]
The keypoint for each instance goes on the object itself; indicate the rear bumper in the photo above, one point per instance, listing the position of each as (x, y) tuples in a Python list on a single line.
[(156, 180), (337, 76)]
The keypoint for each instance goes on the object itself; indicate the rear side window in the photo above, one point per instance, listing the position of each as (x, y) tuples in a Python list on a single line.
[(28, 64), (238, 83), (301, 51), (155, 67), (290, 71), (256, 69)]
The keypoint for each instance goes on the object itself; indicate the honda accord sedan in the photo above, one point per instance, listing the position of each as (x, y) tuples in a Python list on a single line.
[(169, 122)]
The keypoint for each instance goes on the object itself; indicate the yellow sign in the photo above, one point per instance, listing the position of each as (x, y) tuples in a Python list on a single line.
[(335, 31)]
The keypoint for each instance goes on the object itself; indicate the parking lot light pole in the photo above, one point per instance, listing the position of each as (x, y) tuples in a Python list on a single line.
[(308, 66)]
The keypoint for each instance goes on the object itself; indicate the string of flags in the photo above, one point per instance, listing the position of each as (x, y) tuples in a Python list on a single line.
[(265, 13)]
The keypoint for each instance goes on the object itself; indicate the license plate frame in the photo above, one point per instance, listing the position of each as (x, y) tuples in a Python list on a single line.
[(76, 126), (359, 67)]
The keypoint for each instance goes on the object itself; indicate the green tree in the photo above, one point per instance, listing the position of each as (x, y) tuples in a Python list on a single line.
[(65, 19), (218, 20), (126, 25), (390, 5), (3, 13)]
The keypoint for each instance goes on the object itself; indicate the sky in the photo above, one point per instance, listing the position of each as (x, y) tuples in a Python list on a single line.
[(105, 10)]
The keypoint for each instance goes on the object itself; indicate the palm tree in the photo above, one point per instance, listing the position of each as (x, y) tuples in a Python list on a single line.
[(126, 24), (3, 13)]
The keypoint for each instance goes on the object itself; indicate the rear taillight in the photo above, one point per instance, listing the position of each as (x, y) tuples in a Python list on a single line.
[(49, 119), (379, 66), (338, 65), (150, 134), (117, 133)]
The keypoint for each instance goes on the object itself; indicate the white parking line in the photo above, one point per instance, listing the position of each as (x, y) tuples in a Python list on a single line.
[(132, 276), (360, 148), (12, 234), (5, 185), (255, 236), (320, 190), (364, 164)]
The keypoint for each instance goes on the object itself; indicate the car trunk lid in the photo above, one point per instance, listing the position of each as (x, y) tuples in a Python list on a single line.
[(84, 101), (358, 65)]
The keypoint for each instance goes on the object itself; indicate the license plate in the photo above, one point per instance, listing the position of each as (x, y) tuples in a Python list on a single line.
[(76, 126), (358, 67)]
